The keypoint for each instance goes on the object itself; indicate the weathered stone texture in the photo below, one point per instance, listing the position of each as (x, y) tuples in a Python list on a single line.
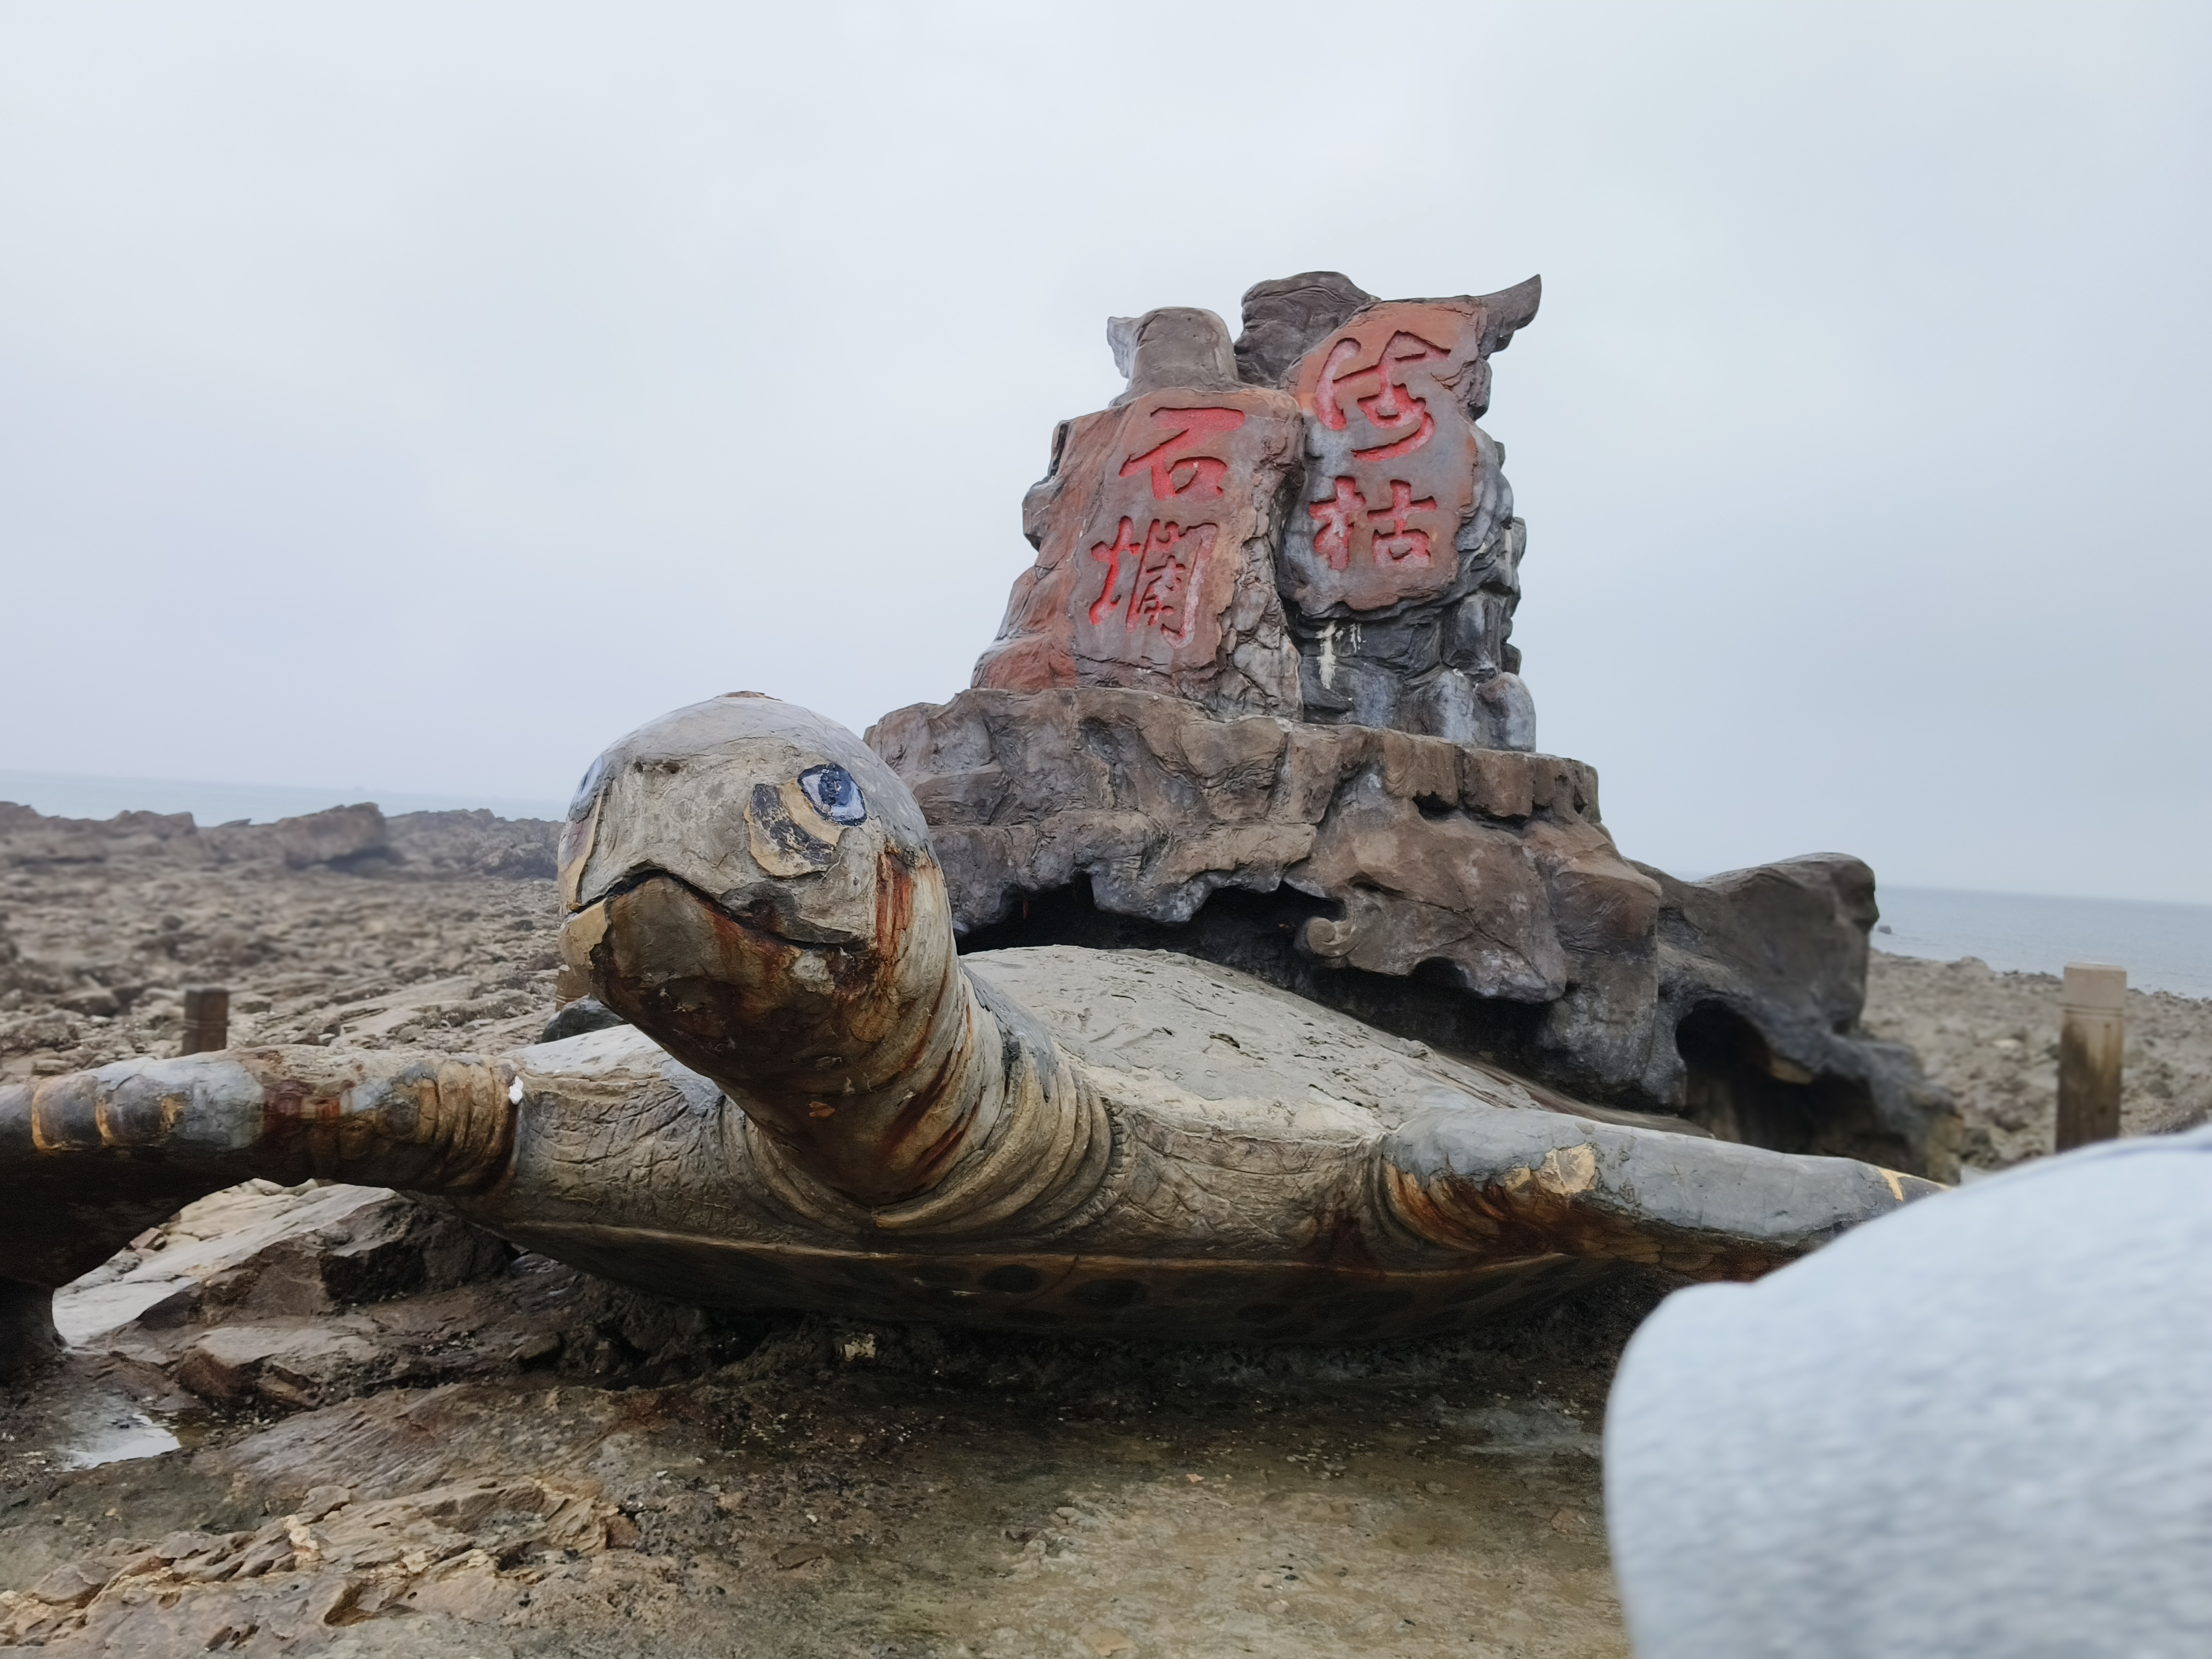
[(1402, 571), (1155, 531), (359, 840), (1477, 880), (1762, 981), (1309, 525), (1484, 865)]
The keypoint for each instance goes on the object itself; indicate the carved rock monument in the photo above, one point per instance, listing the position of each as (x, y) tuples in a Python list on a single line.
[(1311, 524), (1257, 701), (1225, 963)]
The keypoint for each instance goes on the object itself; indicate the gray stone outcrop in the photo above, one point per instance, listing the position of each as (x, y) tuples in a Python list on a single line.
[(1469, 896)]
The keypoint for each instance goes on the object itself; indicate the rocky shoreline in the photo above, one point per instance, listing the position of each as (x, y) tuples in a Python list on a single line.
[(399, 1436), (1991, 1039)]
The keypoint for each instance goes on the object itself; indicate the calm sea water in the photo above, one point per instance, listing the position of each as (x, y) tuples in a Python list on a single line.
[(2164, 947), (64, 795)]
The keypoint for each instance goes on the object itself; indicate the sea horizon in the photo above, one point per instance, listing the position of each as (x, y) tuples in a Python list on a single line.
[(2164, 945)]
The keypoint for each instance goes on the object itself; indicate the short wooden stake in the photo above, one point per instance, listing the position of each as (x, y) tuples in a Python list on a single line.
[(2092, 1032), (207, 1020)]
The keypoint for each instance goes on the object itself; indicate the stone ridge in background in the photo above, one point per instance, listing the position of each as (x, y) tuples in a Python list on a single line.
[(343, 926), (359, 838)]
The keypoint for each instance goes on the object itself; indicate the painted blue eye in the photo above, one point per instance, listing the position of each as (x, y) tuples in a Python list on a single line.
[(832, 793), (587, 790)]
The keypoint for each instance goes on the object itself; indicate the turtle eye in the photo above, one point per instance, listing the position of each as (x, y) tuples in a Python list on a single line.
[(587, 789), (831, 792)]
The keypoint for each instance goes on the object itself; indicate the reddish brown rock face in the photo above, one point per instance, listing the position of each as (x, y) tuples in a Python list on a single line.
[(1393, 459), (1155, 532), (1152, 517), (1308, 523)]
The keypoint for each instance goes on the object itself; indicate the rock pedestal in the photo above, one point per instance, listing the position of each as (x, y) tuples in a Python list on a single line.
[(1468, 897)]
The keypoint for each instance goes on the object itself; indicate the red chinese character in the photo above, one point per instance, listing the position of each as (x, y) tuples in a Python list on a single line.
[(1398, 541), (1164, 592), (1390, 408), (1111, 558), (1335, 518), (1175, 471)]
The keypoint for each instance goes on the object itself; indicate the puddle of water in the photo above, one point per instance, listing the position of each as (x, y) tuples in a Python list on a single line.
[(110, 1430)]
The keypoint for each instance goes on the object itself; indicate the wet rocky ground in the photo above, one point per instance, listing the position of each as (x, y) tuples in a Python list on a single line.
[(490, 1455), (332, 1419)]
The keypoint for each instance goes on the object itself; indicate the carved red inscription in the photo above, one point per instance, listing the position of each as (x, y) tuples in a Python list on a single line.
[(1334, 520), (1163, 565), (1344, 519), (1148, 574), (1176, 472), (1166, 569), (1391, 408), (1392, 457), (1395, 537)]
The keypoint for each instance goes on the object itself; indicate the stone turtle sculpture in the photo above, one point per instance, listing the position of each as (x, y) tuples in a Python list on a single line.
[(817, 1103)]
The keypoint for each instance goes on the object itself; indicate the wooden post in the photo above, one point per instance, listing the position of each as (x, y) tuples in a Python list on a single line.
[(207, 1020), (2092, 1032)]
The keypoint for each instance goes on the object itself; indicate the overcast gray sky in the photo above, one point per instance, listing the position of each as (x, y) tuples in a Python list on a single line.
[(425, 395)]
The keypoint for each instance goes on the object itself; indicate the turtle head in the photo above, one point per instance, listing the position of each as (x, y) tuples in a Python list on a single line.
[(774, 815), (750, 885)]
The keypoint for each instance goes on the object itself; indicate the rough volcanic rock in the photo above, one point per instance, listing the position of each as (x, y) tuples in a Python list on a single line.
[(256, 1295), (1992, 1039), (823, 1483), (1160, 806), (31, 839), (339, 836), (1763, 983), (103, 922), (475, 843), (1467, 896), (1287, 317), (358, 840)]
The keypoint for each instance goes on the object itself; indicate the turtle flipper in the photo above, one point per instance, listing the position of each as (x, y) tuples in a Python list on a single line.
[(1508, 1183), (90, 1159)]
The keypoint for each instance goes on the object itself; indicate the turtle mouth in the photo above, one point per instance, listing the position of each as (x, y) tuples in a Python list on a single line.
[(767, 908)]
